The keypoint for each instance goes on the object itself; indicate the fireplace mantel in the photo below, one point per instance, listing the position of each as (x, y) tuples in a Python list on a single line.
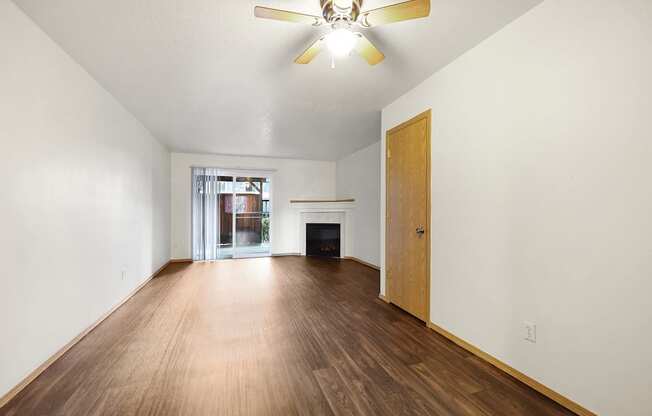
[(317, 201), (342, 204)]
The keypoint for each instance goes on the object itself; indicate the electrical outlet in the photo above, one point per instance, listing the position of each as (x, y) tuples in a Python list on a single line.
[(530, 332)]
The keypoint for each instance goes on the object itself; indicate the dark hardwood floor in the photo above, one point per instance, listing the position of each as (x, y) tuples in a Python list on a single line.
[(270, 336)]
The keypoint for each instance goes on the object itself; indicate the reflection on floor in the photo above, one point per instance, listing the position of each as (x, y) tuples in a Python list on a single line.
[(253, 250)]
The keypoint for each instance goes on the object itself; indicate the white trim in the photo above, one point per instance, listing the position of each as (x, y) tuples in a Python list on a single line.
[(258, 173)]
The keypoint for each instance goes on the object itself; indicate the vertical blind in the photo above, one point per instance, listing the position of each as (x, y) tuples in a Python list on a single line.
[(205, 209)]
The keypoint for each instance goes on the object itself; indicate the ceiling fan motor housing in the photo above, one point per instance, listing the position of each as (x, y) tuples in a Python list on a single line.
[(334, 10)]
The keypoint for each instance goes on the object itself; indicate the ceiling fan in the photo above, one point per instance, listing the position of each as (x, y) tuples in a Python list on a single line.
[(342, 16)]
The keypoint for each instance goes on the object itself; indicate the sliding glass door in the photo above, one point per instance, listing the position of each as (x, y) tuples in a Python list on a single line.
[(252, 216), (230, 215)]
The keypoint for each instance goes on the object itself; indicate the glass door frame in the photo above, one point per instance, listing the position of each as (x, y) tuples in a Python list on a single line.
[(268, 178), (236, 173)]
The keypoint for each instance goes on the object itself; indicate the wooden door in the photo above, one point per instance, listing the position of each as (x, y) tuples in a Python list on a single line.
[(407, 238)]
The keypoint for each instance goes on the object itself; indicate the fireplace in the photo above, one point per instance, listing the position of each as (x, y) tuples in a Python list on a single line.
[(323, 240)]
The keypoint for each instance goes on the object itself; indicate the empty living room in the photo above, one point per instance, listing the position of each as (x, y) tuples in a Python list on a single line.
[(326, 207)]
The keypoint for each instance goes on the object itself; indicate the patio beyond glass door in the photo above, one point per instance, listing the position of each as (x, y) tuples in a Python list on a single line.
[(230, 215), (251, 216)]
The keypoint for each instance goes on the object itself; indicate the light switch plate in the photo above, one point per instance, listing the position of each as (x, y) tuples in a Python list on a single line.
[(530, 331)]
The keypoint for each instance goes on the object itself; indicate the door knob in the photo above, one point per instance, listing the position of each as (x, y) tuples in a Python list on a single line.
[(420, 230)]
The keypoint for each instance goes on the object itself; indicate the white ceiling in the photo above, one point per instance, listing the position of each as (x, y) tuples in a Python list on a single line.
[(206, 76)]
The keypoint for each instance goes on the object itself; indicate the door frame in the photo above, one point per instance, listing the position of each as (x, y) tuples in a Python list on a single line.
[(235, 173), (427, 115)]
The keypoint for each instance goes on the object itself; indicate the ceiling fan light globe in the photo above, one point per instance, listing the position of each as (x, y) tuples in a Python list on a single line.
[(343, 4), (341, 42)]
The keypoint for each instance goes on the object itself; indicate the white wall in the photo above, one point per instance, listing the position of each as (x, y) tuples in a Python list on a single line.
[(293, 179), (358, 177), (85, 195), (541, 201)]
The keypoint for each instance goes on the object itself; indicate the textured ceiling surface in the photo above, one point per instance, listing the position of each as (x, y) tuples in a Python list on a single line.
[(206, 76)]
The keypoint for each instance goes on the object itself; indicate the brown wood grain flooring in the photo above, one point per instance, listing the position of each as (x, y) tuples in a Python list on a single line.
[(270, 336)]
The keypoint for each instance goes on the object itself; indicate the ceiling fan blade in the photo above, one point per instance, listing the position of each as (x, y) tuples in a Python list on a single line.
[(286, 16), (368, 51), (407, 10), (310, 53)]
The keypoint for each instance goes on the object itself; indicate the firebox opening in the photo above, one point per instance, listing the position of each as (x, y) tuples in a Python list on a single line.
[(323, 240)]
